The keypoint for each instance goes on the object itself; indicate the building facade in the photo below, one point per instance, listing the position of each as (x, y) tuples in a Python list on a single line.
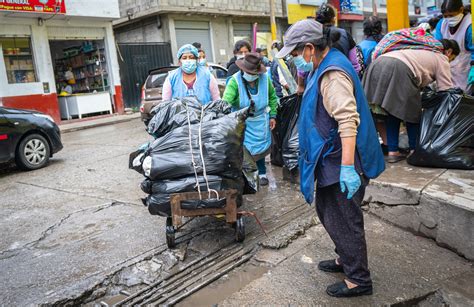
[(59, 57), (216, 24)]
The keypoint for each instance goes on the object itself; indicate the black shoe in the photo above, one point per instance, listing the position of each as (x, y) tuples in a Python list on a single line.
[(263, 180), (340, 289), (395, 159), (330, 266)]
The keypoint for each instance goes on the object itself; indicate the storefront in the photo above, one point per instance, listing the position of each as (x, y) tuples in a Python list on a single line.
[(64, 62)]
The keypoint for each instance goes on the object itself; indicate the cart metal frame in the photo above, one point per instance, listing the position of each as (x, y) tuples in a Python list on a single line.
[(232, 217)]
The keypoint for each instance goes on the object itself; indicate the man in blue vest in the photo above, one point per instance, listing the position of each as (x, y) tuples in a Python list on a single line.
[(339, 148)]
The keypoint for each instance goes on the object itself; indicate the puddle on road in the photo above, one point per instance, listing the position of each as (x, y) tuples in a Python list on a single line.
[(226, 286)]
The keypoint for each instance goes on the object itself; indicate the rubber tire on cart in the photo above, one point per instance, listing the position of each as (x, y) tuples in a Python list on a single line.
[(170, 233), (240, 230), (38, 149)]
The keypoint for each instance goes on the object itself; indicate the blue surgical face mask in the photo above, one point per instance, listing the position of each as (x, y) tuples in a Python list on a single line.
[(188, 66), (202, 62), (249, 77), (302, 65)]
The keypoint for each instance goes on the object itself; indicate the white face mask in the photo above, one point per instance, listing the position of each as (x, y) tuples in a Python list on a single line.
[(455, 20)]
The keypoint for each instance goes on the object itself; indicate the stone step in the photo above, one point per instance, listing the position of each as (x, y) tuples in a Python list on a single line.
[(436, 203)]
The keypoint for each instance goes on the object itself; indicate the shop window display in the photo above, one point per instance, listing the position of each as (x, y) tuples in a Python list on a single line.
[(18, 58), (80, 66), (82, 78)]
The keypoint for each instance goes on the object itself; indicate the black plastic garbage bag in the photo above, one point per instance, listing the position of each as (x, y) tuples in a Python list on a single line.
[(216, 109), (276, 156), (446, 131), (135, 159), (250, 173), (158, 202), (172, 114), (285, 147), (170, 157), (186, 184)]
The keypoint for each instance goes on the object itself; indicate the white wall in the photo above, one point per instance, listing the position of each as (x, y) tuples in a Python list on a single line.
[(93, 8), (41, 57), (42, 54)]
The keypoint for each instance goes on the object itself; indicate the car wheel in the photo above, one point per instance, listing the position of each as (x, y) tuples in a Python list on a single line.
[(33, 152)]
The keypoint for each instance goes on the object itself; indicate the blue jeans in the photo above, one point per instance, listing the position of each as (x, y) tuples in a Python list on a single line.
[(392, 124), (262, 169)]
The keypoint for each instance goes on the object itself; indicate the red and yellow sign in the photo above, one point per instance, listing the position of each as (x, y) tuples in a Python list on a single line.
[(34, 6)]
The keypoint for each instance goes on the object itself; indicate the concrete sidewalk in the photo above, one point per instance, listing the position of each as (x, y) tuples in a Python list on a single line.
[(406, 270), (436, 203), (92, 123)]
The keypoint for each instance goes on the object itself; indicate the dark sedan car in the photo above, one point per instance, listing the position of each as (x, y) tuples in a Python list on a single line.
[(29, 138)]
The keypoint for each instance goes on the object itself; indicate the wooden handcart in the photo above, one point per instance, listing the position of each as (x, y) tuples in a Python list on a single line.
[(229, 209)]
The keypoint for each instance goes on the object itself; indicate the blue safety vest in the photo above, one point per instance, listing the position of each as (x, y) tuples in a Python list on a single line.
[(200, 88), (319, 140), (258, 137), (367, 46)]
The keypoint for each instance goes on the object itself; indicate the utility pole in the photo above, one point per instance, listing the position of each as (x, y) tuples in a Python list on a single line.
[(273, 26), (397, 15), (374, 8)]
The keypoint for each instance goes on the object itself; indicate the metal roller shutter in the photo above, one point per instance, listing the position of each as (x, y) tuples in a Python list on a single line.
[(188, 32), (75, 33)]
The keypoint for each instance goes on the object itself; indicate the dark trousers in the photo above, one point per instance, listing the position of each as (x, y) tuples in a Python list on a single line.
[(392, 125), (343, 220), (262, 168)]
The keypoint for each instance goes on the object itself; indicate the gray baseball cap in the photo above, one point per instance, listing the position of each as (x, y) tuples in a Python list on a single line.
[(302, 31)]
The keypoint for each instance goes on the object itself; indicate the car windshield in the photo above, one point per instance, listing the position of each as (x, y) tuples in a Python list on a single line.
[(219, 73), (156, 80)]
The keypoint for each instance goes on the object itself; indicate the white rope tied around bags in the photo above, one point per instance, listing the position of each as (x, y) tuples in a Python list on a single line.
[(192, 153), (209, 190)]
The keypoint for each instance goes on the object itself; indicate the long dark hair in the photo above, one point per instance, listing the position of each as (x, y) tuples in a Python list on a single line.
[(450, 6), (241, 43), (373, 28), (325, 14), (451, 44)]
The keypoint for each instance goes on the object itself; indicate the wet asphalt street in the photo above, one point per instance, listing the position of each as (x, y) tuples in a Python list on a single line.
[(64, 225), (76, 233), (77, 229)]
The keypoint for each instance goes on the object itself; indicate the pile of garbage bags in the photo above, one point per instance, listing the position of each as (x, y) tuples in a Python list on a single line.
[(196, 148), (285, 145), (446, 137)]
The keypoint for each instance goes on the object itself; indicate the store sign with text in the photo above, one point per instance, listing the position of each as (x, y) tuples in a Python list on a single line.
[(34, 6), (352, 7)]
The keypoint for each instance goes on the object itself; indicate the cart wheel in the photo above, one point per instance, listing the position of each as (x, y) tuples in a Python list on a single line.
[(170, 233), (240, 230)]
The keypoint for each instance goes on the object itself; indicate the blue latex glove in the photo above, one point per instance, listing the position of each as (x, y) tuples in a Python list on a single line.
[(350, 180), (470, 79)]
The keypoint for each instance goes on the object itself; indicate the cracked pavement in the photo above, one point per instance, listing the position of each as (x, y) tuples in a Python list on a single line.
[(76, 231), (79, 217)]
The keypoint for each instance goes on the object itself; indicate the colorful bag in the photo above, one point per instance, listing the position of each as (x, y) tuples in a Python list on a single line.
[(410, 38)]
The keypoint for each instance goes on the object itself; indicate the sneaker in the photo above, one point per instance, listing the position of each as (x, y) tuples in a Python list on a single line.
[(263, 180)]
